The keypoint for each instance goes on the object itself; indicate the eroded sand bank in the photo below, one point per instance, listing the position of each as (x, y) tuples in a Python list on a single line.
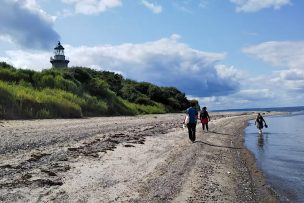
[(128, 159)]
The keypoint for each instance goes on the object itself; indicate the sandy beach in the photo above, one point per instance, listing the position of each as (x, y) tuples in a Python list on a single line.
[(129, 159)]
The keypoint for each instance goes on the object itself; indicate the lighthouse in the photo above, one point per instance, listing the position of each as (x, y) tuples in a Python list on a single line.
[(59, 60)]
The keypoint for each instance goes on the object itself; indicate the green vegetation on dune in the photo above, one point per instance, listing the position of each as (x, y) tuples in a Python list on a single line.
[(78, 91)]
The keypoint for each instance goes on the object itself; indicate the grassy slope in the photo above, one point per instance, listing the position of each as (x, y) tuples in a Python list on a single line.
[(61, 94)]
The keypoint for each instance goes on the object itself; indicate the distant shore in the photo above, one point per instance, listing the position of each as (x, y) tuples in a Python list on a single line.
[(129, 159)]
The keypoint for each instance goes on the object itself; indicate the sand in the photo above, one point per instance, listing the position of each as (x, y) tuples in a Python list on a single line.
[(129, 159)]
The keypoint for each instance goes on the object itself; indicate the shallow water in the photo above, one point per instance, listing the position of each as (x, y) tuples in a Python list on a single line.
[(280, 153)]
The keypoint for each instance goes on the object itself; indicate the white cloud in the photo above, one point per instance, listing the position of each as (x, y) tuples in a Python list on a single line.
[(65, 13), (286, 54), (286, 84), (293, 74), (35, 8), (281, 88), (255, 94), (6, 38), (165, 62), (229, 72), (153, 7), (27, 59), (256, 5), (93, 7), (223, 102), (291, 80), (25, 24)]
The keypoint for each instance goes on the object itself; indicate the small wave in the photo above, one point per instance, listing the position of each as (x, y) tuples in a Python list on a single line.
[(298, 112)]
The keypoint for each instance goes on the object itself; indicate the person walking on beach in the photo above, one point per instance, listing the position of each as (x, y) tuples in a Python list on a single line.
[(192, 113), (205, 118), (260, 122)]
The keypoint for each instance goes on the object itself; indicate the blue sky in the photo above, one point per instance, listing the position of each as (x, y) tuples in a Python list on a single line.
[(225, 53)]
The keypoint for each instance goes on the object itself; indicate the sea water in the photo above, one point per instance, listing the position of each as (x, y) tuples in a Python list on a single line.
[(279, 153)]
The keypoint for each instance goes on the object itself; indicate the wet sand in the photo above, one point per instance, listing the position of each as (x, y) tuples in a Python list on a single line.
[(129, 159)]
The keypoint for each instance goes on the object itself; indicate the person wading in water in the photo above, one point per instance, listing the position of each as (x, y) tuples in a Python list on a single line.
[(259, 121)]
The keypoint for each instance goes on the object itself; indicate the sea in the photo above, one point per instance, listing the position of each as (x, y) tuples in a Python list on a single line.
[(279, 151)]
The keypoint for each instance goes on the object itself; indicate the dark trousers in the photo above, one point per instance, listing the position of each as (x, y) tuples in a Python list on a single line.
[(206, 124), (191, 131)]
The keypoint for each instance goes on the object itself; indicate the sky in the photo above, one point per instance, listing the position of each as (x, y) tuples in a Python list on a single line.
[(225, 53)]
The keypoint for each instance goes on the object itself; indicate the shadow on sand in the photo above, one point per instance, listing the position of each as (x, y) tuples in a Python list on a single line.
[(220, 133), (213, 145)]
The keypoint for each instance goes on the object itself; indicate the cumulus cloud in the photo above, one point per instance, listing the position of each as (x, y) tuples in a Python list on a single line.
[(27, 59), (35, 8), (280, 88), (153, 7), (165, 62), (256, 5), (6, 38), (93, 7), (257, 95), (288, 82), (291, 80), (293, 74), (282, 54), (25, 24)]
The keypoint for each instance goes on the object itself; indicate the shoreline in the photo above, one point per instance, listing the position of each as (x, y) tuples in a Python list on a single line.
[(264, 191), (267, 154), (59, 158)]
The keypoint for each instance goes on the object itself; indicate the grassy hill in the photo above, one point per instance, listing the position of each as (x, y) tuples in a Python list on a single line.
[(80, 92)]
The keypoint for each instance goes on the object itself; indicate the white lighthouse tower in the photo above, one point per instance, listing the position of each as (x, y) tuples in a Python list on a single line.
[(59, 60)]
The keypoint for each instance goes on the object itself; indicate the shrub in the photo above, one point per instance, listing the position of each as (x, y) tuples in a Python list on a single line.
[(79, 91)]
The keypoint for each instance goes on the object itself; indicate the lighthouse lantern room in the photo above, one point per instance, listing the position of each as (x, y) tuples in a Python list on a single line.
[(59, 60)]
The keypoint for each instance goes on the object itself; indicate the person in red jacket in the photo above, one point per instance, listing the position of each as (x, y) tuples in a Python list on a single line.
[(205, 118)]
